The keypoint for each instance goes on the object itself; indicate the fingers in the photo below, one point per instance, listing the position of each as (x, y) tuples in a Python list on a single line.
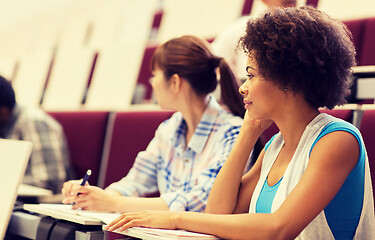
[(125, 221), (68, 200), (122, 224), (81, 190), (75, 199), (76, 194), (82, 202), (68, 187), (113, 225), (132, 223)]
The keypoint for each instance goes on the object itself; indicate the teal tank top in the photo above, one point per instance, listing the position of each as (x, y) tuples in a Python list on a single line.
[(344, 211)]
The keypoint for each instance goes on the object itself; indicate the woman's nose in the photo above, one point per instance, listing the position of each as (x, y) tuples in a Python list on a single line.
[(243, 89)]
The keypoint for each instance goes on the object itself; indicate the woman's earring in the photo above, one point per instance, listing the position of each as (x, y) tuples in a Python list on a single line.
[(285, 88)]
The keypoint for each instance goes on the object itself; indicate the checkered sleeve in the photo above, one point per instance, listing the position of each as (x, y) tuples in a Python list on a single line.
[(47, 166), (195, 199)]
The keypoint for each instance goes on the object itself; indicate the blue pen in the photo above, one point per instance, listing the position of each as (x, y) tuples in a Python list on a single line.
[(85, 178)]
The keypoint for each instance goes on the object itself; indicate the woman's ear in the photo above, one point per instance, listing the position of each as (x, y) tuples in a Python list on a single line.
[(175, 83)]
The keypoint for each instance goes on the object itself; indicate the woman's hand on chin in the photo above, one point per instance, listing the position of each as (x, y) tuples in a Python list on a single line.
[(256, 124)]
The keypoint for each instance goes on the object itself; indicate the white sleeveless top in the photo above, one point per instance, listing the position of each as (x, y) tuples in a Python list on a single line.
[(318, 228)]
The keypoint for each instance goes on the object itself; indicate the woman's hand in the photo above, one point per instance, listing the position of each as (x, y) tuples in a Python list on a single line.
[(68, 187), (256, 125), (153, 219), (88, 197)]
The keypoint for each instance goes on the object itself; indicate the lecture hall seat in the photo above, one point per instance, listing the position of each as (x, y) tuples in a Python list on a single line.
[(68, 79), (145, 71), (367, 55), (115, 74), (367, 129), (157, 19), (85, 133), (313, 3), (31, 77), (357, 28), (344, 114), (131, 133), (207, 26), (247, 5)]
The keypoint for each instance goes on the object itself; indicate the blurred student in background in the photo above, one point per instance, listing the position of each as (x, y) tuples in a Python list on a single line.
[(225, 43), (312, 179), (188, 150), (49, 164)]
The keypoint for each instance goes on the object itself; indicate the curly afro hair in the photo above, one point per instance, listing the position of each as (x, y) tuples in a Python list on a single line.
[(305, 51)]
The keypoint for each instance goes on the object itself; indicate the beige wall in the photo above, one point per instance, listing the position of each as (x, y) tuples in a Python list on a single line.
[(348, 9)]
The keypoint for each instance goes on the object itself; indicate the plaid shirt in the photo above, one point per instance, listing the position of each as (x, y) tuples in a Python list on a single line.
[(49, 160), (183, 173)]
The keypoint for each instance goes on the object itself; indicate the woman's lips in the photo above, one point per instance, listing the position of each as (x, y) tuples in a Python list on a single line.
[(247, 103)]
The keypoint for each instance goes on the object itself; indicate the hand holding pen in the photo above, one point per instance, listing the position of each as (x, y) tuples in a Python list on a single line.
[(68, 187), (81, 195)]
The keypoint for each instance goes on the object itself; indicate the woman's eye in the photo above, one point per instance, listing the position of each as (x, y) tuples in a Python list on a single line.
[(250, 76)]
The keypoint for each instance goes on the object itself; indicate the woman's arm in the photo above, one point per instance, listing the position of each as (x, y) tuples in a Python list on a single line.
[(224, 194), (229, 226), (331, 161), (247, 186), (95, 198)]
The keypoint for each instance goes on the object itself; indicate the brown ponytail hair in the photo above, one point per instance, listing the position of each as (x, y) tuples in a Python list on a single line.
[(190, 57), (229, 90)]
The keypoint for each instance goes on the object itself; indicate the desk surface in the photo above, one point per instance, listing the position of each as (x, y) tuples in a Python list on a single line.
[(115, 236), (24, 225)]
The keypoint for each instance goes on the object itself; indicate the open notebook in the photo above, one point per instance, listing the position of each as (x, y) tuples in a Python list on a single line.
[(159, 234), (65, 212), (14, 156)]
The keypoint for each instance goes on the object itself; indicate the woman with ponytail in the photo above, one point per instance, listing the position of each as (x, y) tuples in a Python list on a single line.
[(188, 150)]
